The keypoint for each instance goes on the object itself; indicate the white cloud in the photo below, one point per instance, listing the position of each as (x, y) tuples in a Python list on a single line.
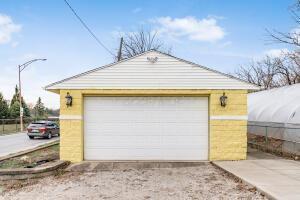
[(7, 28), (205, 30), (136, 10), (14, 44), (275, 52), (225, 44)]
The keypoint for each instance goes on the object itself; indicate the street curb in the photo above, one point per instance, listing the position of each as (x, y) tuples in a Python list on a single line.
[(29, 173), (29, 150), (268, 195)]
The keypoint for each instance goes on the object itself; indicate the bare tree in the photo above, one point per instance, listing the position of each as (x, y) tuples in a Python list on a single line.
[(287, 69), (138, 42), (277, 71), (294, 59), (292, 37), (271, 72), (262, 73)]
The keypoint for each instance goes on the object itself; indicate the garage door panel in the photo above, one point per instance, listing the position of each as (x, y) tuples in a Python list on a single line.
[(149, 116), (142, 154), (146, 128), (147, 107), (145, 103), (139, 141)]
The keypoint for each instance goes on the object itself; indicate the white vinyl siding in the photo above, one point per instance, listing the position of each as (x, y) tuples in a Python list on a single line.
[(138, 73), (146, 128)]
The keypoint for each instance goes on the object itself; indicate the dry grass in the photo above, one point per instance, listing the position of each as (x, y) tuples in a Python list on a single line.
[(20, 162), (270, 145), (6, 129), (9, 128)]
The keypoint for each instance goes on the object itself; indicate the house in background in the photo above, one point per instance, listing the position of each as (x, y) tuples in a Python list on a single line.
[(152, 106)]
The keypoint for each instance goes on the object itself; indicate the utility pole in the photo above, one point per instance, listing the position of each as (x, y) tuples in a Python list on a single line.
[(120, 49), (21, 68), (20, 100)]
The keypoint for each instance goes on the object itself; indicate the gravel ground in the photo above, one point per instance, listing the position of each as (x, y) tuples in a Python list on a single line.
[(201, 182)]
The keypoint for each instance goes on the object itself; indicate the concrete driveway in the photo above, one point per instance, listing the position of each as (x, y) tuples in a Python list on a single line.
[(277, 178), (20, 142)]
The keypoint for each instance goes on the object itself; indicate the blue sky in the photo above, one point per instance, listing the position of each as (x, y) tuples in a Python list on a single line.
[(212, 33)]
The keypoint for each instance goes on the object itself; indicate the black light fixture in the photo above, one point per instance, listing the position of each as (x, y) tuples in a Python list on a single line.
[(68, 99), (223, 100)]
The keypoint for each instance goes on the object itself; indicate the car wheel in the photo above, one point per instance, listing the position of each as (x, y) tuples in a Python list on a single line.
[(31, 137), (49, 136)]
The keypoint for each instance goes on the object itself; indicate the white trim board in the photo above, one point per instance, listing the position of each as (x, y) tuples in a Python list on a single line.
[(70, 117), (229, 117)]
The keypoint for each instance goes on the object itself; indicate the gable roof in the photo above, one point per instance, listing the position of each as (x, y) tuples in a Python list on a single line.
[(168, 72)]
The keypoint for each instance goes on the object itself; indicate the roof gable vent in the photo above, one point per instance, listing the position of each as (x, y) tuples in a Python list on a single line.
[(152, 59)]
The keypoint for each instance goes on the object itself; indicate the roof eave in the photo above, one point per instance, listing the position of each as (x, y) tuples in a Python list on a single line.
[(54, 90), (57, 89)]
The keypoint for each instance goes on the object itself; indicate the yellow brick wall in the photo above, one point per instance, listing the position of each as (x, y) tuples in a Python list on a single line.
[(71, 136), (227, 138), (236, 103), (71, 142)]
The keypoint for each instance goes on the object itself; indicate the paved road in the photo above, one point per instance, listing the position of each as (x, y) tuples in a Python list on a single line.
[(276, 177), (19, 142)]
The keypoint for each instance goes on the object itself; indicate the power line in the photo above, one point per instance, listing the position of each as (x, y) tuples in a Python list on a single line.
[(88, 29)]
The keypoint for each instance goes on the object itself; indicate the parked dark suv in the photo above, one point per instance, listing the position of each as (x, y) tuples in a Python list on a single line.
[(45, 129)]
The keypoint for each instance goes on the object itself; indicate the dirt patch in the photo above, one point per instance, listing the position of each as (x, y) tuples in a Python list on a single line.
[(32, 159), (201, 182), (270, 145)]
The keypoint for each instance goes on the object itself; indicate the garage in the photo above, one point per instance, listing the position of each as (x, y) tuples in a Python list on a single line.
[(146, 128), (152, 106)]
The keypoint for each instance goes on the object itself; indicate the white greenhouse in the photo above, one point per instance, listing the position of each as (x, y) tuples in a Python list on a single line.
[(275, 114)]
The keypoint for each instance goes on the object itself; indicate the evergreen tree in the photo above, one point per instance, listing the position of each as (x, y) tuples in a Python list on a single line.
[(4, 110), (26, 110), (14, 110), (39, 109), (15, 96), (15, 102)]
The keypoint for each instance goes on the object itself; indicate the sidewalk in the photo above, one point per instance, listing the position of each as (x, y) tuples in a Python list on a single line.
[(275, 177)]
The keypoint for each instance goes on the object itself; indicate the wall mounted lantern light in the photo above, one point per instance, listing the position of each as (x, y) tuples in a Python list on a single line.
[(223, 100), (68, 99)]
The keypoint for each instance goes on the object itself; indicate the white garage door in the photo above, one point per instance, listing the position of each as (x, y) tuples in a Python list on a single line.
[(145, 128)]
